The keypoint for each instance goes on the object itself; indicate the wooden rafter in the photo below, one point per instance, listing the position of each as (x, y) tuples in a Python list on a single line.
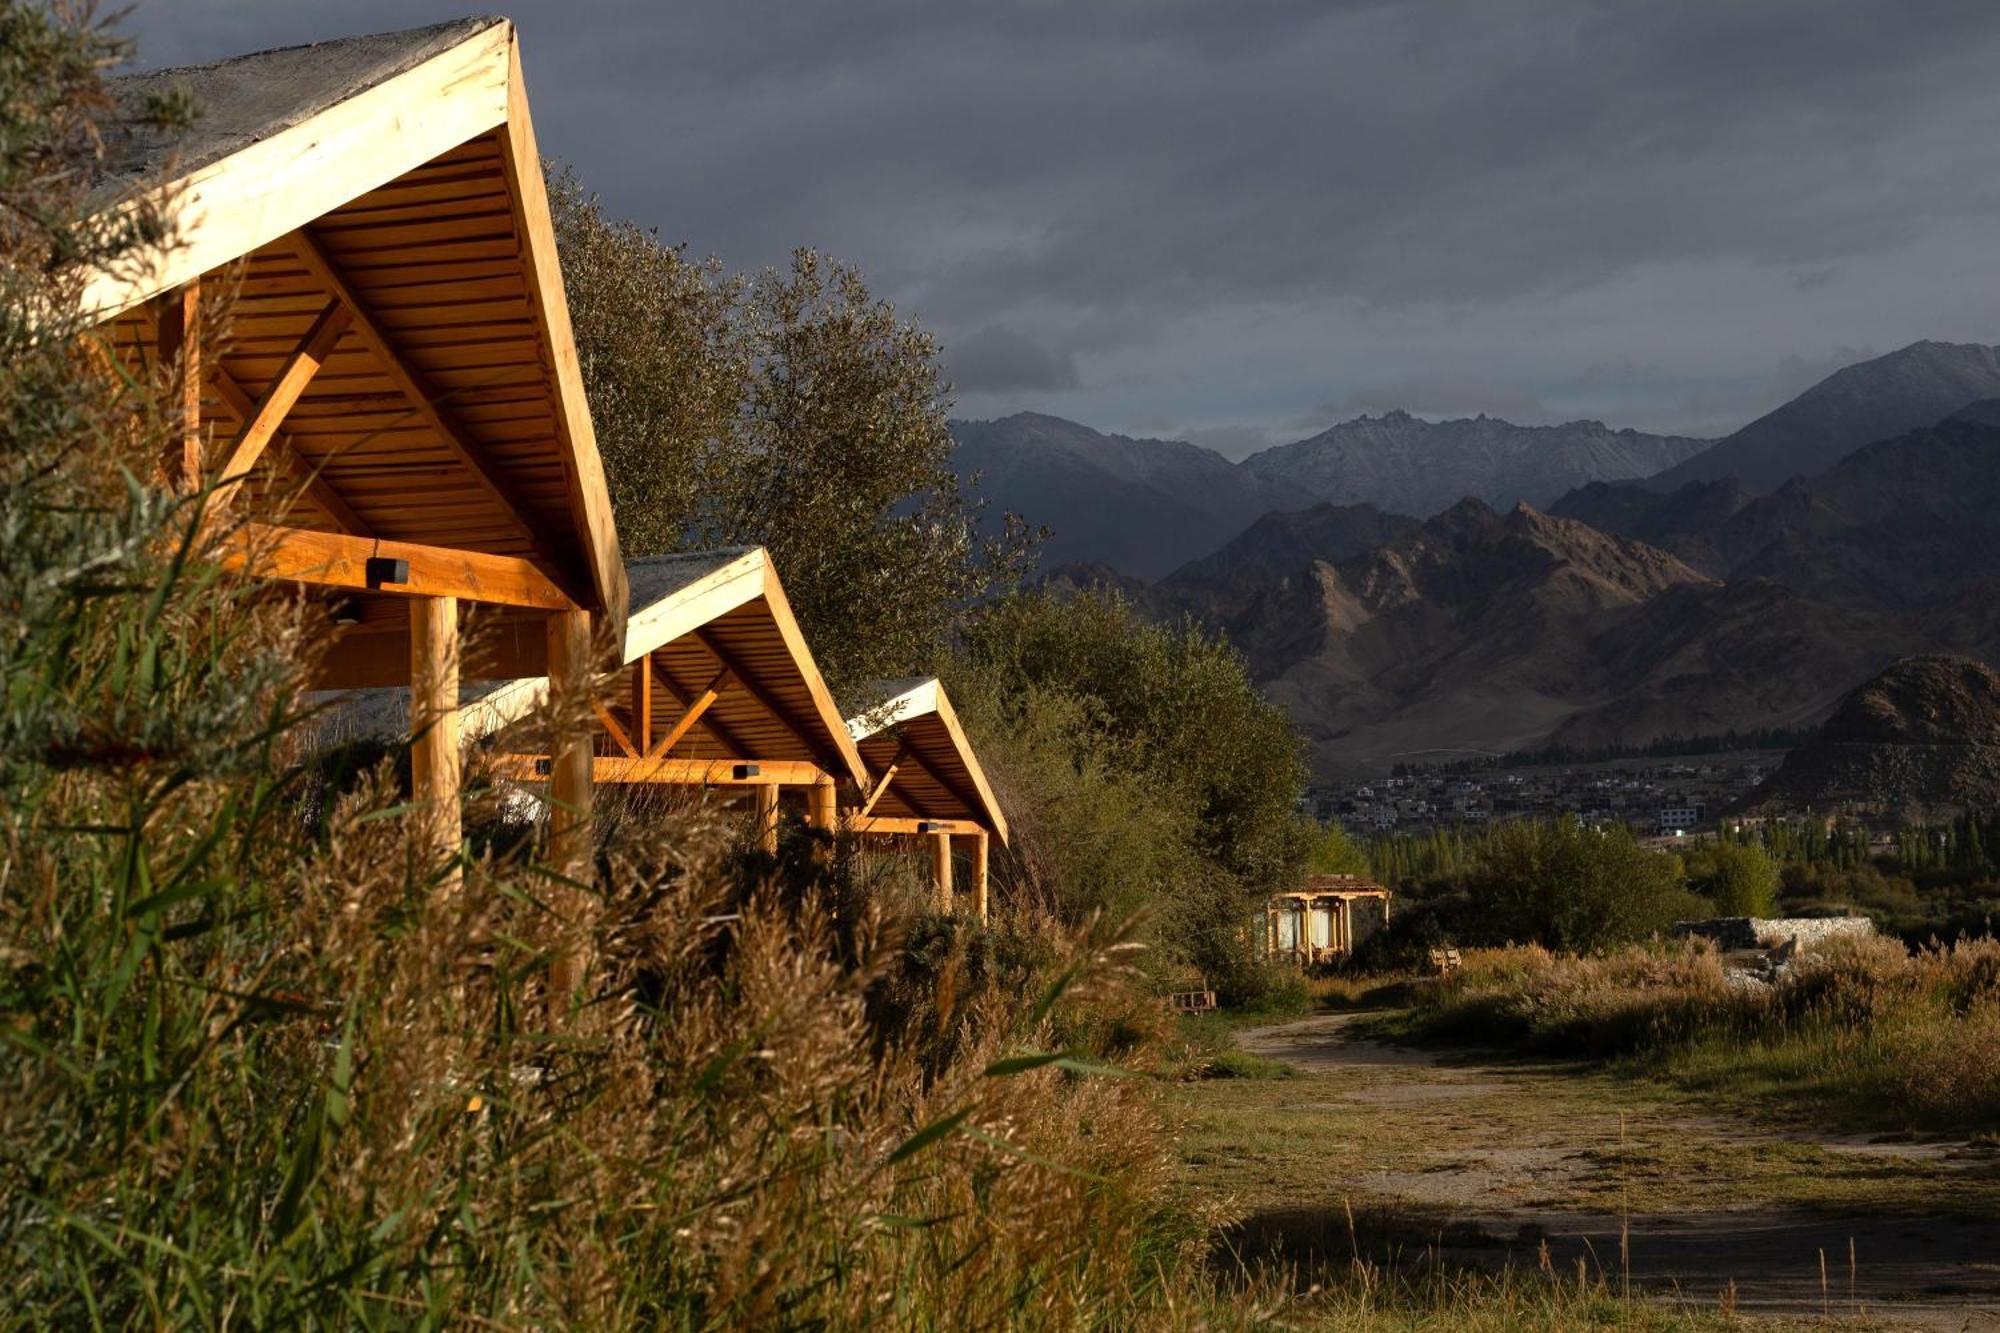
[(260, 424), (318, 489), (691, 715), (772, 704), (335, 560), (931, 771), (429, 407)]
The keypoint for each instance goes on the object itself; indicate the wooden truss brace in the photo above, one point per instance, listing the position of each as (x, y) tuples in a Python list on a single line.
[(682, 696), (881, 787), (336, 560), (692, 714), (613, 729), (261, 422), (241, 406), (834, 761), (429, 407)]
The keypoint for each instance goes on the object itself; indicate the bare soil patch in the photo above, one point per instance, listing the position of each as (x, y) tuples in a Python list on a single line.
[(1410, 1157)]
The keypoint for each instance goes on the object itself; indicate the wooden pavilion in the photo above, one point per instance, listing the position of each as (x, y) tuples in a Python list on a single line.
[(395, 399), (1324, 918), (719, 690), (927, 782)]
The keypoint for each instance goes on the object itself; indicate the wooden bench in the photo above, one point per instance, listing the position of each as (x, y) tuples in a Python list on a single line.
[(1445, 961), (1192, 1001)]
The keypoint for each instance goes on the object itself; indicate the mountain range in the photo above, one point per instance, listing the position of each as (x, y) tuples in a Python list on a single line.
[(1623, 612), (1413, 466), (1145, 507)]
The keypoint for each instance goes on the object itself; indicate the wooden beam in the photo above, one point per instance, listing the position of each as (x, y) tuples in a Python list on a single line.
[(589, 497), (613, 729), (896, 826), (692, 714), (814, 743), (177, 335), (724, 736), (434, 726), (666, 772), (260, 425), (881, 787), (321, 492), (429, 408), (336, 560)]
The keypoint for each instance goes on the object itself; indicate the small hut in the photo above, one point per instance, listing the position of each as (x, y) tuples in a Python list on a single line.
[(927, 782), (396, 397), (1324, 918), (718, 690)]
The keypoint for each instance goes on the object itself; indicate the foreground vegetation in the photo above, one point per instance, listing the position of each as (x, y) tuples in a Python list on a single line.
[(1868, 1035)]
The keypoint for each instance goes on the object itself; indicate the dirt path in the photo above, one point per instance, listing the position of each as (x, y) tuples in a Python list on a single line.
[(1403, 1154)]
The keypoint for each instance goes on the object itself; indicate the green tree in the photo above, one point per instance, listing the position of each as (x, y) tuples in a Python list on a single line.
[(1568, 885), (791, 410), (1334, 852), (1198, 755), (1739, 880)]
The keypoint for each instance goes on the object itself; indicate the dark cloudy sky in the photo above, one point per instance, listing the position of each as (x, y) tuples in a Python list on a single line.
[(1239, 221)]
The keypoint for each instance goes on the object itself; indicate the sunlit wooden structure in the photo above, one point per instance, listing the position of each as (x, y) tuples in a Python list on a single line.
[(396, 400), (926, 782), (1324, 918), (718, 690)]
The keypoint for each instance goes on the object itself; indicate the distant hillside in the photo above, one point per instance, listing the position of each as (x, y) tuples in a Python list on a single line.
[(1218, 586), (1908, 527), (1412, 466), (1139, 506), (1922, 738), (1916, 386), (1474, 632)]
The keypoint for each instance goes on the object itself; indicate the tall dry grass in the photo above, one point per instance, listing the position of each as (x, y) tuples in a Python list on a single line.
[(1866, 1032)]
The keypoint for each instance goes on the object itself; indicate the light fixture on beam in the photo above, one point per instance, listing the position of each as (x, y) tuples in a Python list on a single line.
[(384, 571), (744, 772)]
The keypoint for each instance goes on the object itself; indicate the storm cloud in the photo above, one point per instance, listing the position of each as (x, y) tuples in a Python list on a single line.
[(1178, 217)]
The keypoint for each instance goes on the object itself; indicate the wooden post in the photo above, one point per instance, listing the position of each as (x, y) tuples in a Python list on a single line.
[(766, 827), (642, 703), (820, 805), (981, 847), (822, 812), (434, 753), (570, 789), (941, 869), (569, 752), (177, 332)]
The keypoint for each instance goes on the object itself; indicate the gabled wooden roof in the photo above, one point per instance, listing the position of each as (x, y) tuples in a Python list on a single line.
[(372, 212), (716, 620), (937, 774)]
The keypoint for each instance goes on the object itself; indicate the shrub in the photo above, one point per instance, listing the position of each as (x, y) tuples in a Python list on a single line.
[(1737, 878)]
